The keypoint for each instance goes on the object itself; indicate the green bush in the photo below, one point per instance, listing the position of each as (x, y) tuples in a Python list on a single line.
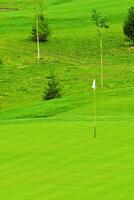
[(53, 89), (1, 61), (128, 27)]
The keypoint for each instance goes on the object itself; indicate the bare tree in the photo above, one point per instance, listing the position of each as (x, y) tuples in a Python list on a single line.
[(101, 24)]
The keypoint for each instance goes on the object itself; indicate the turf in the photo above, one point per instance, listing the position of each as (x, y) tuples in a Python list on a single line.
[(62, 160), (47, 148), (72, 50)]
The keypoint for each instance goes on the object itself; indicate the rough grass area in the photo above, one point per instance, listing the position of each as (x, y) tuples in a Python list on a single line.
[(7, 9), (72, 51)]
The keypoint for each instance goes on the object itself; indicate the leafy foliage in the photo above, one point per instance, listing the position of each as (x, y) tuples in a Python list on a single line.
[(53, 89), (128, 27), (1, 61), (99, 20), (43, 29)]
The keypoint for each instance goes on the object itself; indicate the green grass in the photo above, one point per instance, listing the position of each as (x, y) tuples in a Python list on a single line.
[(62, 160), (111, 105), (47, 149), (72, 50)]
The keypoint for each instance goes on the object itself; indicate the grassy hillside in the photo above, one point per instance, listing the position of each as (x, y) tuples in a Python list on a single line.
[(72, 50), (111, 105), (47, 148)]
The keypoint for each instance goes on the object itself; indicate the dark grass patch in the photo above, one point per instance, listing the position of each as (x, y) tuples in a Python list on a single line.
[(61, 2), (8, 9)]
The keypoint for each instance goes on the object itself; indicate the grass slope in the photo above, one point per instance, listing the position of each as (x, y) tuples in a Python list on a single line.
[(72, 50), (111, 105), (47, 148)]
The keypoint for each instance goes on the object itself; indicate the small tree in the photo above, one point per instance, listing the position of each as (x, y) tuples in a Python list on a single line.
[(101, 24), (1, 61), (128, 27), (53, 89), (40, 28)]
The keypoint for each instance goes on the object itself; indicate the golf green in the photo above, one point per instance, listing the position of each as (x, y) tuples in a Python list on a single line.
[(62, 160)]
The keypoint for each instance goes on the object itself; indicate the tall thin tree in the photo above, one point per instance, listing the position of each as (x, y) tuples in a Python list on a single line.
[(40, 29), (101, 24), (35, 29), (38, 39)]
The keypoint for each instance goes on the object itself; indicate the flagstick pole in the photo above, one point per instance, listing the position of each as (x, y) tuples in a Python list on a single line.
[(94, 128)]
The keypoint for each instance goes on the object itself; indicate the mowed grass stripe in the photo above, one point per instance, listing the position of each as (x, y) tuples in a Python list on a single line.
[(62, 160)]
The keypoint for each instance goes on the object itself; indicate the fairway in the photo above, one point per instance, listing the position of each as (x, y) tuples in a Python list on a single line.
[(61, 160)]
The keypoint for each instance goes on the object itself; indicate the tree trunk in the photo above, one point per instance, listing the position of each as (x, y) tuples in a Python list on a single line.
[(101, 57), (38, 40)]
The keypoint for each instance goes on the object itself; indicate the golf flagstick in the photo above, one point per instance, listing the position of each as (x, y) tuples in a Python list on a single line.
[(94, 107)]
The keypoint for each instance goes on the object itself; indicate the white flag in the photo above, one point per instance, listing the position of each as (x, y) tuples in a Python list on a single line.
[(94, 84)]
